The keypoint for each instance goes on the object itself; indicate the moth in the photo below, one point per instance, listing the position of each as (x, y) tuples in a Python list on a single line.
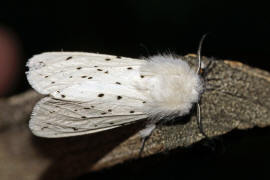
[(89, 92)]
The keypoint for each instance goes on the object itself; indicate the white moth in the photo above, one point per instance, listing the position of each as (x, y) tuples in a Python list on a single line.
[(90, 92)]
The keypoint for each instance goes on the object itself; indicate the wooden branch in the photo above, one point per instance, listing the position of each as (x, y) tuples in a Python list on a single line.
[(238, 99)]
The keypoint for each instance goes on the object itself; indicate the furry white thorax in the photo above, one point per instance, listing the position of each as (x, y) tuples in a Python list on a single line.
[(171, 87)]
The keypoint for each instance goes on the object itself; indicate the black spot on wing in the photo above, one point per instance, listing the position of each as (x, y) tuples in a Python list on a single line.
[(68, 58), (45, 127), (119, 97), (75, 129), (41, 63), (100, 95)]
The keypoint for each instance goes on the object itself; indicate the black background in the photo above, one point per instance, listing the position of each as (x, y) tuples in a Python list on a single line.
[(237, 30)]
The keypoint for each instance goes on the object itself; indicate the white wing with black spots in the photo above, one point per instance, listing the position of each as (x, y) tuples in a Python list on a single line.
[(53, 71), (54, 118)]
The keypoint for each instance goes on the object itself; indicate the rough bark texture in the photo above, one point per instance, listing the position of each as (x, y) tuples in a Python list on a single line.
[(238, 98)]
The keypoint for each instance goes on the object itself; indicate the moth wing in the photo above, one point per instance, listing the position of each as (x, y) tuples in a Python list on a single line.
[(54, 118), (88, 93), (53, 71)]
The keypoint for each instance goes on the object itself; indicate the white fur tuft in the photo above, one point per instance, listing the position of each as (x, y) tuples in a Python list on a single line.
[(171, 87)]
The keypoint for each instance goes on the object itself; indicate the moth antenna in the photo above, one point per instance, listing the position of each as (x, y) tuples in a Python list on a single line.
[(199, 53), (200, 125)]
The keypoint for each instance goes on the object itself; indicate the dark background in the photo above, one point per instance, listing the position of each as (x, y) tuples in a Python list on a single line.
[(237, 30)]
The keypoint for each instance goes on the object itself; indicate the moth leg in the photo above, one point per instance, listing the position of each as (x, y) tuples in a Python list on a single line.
[(145, 134)]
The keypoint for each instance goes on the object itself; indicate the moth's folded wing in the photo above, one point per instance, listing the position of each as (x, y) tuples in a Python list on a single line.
[(53, 71), (54, 118)]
